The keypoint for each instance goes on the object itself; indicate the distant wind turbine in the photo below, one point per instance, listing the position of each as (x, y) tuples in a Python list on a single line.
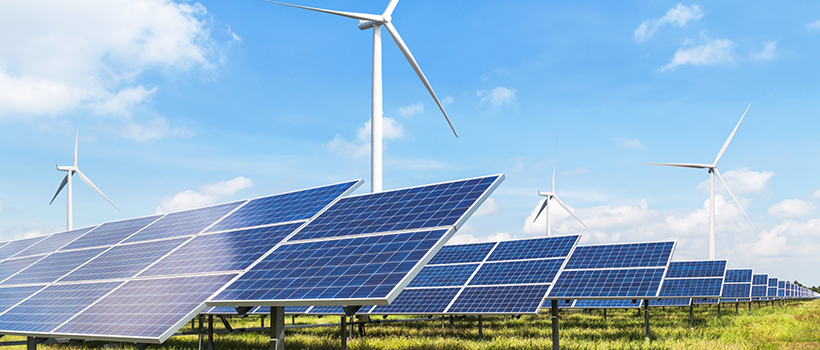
[(545, 207), (367, 21), (67, 180), (712, 171)]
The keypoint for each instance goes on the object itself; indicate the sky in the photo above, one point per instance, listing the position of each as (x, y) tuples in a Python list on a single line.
[(186, 104)]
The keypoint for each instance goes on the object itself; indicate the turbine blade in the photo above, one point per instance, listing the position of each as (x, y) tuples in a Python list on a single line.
[(406, 51), (569, 211), (390, 7), (354, 15), (91, 184), (733, 197), (682, 165), (543, 206), (723, 149), (65, 181)]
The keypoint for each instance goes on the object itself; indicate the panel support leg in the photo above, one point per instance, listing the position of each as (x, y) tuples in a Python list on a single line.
[(277, 328), (201, 333), (554, 319), (604, 315), (344, 332), (737, 312), (691, 316), (263, 321), (31, 342), (480, 329), (718, 310), (646, 318), (210, 332)]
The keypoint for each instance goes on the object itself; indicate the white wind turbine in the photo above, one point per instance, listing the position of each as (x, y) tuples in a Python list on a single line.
[(67, 180), (545, 207), (712, 171), (367, 21)]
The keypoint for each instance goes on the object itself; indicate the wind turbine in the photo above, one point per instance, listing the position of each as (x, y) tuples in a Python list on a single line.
[(67, 180), (367, 21), (545, 207), (712, 171)]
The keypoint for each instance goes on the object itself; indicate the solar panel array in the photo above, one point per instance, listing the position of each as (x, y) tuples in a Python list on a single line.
[(605, 304), (694, 279), (737, 285), (760, 286)]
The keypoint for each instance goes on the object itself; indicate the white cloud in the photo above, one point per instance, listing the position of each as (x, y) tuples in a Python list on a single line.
[(814, 25), (97, 49), (742, 181), (155, 129), (1, 205), (498, 96), (488, 207), (771, 242), (468, 238), (708, 52), (391, 130), (679, 15), (628, 143), (411, 110), (792, 208), (206, 195), (816, 194), (447, 100), (768, 53)]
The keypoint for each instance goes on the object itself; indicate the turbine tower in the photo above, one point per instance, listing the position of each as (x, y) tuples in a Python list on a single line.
[(545, 207), (367, 21), (712, 168), (67, 180)]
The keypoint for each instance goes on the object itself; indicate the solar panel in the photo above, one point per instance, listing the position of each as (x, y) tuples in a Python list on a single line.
[(760, 286), (706, 301), (516, 299), (739, 276), (517, 272), (14, 247), (299, 205), (53, 242), (702, 268), (13, 295), (608, 304), (614, 271), (557, 247), (760, 280), (694, 279), (111, 233), (123, 261), (737, 284), (419, 301), (672, 302), (52, 267), (184, 223), (226, 251), (13, 266), (462, 253), (444, 275)]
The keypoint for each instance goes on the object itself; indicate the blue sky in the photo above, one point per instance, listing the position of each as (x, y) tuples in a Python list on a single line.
[(192, 103)]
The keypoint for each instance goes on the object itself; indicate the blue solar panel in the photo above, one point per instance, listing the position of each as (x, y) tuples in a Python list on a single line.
[(111, 233), (54, 242), (617, 283), (53, 266), (760, 280), (285, 207), (13, 295), (759, 291), (534, 248), (462, 253), (123, 261), (781, 284), (705, 301), (53, 306), (10, 267), (739, 276), (183, 223), (621, 255), (327, 310), (705, 268), (225, 251), (671, 302), (772, 292), (15, 247), (773, 282), (443, 275), (419, 302), (517, 272), (413, 208), (691, 287), (499, 299), (146, 308), (348, 268), (736, 290), (608, 304)]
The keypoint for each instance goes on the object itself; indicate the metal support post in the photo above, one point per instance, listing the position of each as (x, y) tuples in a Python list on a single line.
[(352, 333), (263, 321), (31, 342), (210, 332), (344, 332), (443, 319), (604, 315), (201, 333), (293, 319), (718, 309), (691, 316), (277, 328), (480, 329), (554, 319), (646, 318), (750, 306)]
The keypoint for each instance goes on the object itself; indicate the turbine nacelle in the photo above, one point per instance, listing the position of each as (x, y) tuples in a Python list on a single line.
[(365, 25), (66, 168)]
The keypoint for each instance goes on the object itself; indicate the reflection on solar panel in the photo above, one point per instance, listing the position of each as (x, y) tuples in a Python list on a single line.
[(13, 266), (14, 247), (183, 223), (737, 284), (13, 295), (614, 271), (694, 279), (53, 242), (123, 261), (52, 267), (608, 304), (111, 233), (462, 281)]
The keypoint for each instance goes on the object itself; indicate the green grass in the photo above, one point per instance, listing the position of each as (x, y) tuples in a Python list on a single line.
[(793, 326)]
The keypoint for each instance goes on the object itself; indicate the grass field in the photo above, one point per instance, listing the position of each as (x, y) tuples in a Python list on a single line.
[(795, 325)]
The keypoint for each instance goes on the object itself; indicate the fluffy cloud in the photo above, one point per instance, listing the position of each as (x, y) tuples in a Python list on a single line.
[(468, 238), (679, 15), (391, 130), (708, 52), (206, 195), (97, 49), (768, 53), (498, 96), (792, 208), (742, 181), (411, 110), (155, 129), (628, 143), (814, 25), (488, 207)]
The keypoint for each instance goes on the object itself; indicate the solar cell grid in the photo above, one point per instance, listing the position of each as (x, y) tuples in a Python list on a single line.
[(111, 233), (738, 276), (183, 223), (704, 268), (285, 207), (691, 287), (517, 272), (52, 267), (761, 280), (773, 282), (607, 304), (462, 253), (15, 247), (706, 301), (419, 301), (53, 242), (225, 251), (534, 248), (737, 290), (443, 275), (672, 302), (520, 299), (13, 295), (123, 261), (759, 291), (614, 283), (413, 208), (621, 255), (12, 266)]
